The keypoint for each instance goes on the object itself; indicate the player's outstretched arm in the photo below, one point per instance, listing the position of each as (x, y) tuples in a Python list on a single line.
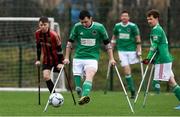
[(68, 51), (110, 53)]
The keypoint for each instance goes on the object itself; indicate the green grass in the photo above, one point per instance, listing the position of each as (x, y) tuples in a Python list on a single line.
[(111, 104)]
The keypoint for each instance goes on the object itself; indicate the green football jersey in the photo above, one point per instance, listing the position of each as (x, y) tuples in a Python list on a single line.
[(88, 40), (125, 36), (159, 43)]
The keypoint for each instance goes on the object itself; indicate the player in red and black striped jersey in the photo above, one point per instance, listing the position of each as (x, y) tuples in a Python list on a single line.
[(49, 43)]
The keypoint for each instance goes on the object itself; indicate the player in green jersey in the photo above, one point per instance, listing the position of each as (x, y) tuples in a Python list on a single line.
[(126, 37), (88, 35), (163, 59)]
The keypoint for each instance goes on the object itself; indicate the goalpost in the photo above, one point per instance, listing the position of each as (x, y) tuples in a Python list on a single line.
[(18, 53)]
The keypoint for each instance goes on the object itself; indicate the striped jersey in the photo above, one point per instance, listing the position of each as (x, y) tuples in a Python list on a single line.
[(50, 44)]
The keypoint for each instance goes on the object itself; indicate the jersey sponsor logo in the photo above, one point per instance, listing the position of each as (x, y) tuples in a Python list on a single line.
[(88, 42), (154, 37), (124, 36), (94, 32)]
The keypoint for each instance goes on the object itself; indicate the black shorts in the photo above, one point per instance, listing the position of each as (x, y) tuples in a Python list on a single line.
[(49, 67)]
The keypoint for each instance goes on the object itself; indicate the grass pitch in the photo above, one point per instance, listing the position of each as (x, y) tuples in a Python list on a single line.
[(111, 104)]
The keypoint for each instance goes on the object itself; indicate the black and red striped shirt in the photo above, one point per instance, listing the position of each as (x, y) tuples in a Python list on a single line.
[(50, 45)]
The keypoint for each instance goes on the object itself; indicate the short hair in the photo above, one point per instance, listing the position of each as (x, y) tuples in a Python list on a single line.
[(125, 11), (83, 14), (155, 13), (43, 19)]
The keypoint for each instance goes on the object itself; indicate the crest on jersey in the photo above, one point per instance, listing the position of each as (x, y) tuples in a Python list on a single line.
[(128, 29), (94, 32)]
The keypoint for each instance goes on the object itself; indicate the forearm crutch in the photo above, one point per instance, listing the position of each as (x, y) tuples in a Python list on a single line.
[(68, 81), (45, 109), (39, 85), (148, 85), (142, 70), (132, 110), (107, 78), (144, 75), (141, 65)]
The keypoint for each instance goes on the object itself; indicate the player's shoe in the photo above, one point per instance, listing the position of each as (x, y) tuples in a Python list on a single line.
[(84, 100), (79, 91), (177, 107), (133, 95)]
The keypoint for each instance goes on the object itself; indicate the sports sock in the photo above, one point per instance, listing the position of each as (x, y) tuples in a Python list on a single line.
[(176, 90), (130, 83), (156, 86), (87, 86), (77, 80), (50, 85)]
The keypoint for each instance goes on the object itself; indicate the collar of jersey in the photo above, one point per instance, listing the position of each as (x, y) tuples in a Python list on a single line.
[(124, 25), (90, 26), (156, 25)]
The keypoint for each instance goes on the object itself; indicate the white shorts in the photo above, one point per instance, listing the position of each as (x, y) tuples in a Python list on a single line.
[(163, 72), (127, 58), (80, 65)]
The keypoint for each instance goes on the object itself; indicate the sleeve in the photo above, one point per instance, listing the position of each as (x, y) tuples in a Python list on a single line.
[(136, 30), (154, 38), (115, 32), (60, 54), (73, 34), (103, 33), (38, 46), (106, 41)]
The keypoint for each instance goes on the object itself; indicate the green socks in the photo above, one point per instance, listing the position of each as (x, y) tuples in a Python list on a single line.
[(77, 80), (87, 86), (156, 86), (176, 90), (130, 83)]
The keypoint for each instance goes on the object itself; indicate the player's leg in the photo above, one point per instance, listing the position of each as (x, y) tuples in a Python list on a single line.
[(77, 73), (164, 72), (47, 78), (156, 86), (77, 80), (123, 57), (175, 88), (90, 69), (129, 58), (132, 59), (129, 80), (160, 70)]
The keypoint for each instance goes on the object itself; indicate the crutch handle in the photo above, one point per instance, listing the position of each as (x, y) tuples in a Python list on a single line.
[(147, 67)]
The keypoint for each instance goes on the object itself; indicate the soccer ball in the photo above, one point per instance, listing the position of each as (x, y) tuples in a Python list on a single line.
[(56, 99)]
